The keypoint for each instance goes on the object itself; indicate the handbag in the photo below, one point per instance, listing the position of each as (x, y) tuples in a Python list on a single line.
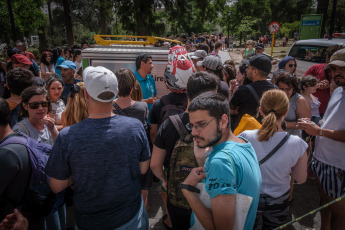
[(242, 206)]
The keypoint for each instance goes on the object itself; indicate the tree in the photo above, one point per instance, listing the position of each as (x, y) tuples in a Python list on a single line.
[(68, 22), (26, 19)]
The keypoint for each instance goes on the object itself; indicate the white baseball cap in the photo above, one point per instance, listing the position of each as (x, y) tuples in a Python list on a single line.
[(100, 83)]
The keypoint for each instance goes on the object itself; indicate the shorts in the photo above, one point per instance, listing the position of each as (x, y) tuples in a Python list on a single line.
[(274, 211), (332, 179)]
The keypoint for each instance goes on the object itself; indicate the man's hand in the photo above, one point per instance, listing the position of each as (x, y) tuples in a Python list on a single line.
[(324, 84), (14, 221), (201, 154), (308, 126), (195, 176)]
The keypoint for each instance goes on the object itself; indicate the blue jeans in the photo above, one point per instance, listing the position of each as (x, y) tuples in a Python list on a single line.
[(57, 220), (139, 222)]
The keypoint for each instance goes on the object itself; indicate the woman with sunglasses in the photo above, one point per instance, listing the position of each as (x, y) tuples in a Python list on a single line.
[(36, 123), (34, 109), (298, 105), (288, 63), (290, 158), (298, 108), (55, 88), (76, 109), (47, 65)]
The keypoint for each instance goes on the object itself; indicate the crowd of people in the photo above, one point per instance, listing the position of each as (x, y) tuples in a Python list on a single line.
[(107, 135)]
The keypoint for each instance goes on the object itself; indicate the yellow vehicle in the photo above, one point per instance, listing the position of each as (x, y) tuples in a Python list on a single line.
[(106, 40)]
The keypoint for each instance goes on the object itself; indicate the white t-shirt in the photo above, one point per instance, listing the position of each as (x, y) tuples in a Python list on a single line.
[(329, 151), (275, 172), (57, 109), (77, 65)]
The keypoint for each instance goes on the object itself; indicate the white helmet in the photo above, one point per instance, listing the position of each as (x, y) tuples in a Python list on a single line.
[(179, 69)]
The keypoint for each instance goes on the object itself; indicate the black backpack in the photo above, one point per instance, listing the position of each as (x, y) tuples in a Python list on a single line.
[(171, 108)]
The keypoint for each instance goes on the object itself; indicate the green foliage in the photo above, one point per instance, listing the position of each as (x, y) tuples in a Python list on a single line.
[(27, 17), (35, 52), (289, 28)]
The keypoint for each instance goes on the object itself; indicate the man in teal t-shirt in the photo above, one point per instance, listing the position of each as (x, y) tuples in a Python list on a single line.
[(231, 167), (148, 87)]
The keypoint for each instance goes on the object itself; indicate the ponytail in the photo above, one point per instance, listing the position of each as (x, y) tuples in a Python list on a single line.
[(274, 105)]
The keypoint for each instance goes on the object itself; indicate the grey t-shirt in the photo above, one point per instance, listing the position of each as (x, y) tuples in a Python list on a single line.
[(26, 127), (138, 110)]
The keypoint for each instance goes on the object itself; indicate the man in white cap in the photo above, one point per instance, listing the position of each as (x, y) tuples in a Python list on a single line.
[(103, 156), (328, 160)]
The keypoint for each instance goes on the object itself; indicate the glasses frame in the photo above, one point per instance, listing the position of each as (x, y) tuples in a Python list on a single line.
[(292, 65), (199, 126), (36, 105)]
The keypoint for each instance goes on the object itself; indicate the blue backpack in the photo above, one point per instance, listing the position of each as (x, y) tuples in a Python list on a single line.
[(38, 198)]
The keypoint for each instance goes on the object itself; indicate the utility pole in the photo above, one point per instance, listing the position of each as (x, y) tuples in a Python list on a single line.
[(13, 28)]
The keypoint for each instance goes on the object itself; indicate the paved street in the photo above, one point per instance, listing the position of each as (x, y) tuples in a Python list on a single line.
[(306, 199)]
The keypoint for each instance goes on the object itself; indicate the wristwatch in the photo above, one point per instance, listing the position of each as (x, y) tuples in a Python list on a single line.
[(189, 188)]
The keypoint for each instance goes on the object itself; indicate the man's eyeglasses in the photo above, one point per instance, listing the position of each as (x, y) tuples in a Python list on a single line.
[(286, 89), (292, 65), (198, 126), (75, 89), (35, 105)]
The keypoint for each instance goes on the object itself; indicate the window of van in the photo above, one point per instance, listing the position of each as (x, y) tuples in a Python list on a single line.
[(316, 54)]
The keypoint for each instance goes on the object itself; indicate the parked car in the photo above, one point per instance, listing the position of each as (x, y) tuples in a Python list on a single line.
[(312, 51)]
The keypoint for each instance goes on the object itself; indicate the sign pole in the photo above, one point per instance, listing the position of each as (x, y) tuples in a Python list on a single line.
[(272, 45)]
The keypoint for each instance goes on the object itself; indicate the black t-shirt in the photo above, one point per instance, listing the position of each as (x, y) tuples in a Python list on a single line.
[(245, 100), (15, 171), (158, 105), (167, 137)]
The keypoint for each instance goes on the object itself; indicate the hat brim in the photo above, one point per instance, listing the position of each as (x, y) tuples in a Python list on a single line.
[(195, 57), (64, 67), (335, 62)]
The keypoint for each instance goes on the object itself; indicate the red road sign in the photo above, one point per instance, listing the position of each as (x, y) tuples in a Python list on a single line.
[(274, 27)]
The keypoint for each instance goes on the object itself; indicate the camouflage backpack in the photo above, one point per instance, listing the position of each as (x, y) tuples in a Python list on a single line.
[(182, 161)]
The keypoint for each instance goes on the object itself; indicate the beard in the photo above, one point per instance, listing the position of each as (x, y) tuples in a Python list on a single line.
[(216, 137), (340, 81)]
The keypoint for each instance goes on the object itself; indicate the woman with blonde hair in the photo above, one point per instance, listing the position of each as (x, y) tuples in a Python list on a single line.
[(249, 49), (76, 109), (279, 154)]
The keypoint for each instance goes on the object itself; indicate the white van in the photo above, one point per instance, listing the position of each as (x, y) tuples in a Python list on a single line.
[(312, 51)]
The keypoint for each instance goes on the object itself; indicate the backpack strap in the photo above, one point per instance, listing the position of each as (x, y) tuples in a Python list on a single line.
[(24, 127), (14, 139), (118, 109), (280, 144), (180, 128), (253, 92)]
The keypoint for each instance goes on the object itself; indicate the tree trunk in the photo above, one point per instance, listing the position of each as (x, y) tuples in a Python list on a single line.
[(50, 18), (322, 8), (68, 20), (103, 16), (42, 39)]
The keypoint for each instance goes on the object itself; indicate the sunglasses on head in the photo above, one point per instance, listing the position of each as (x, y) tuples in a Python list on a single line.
[(35, 105), (290, 65), (75, 89)]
